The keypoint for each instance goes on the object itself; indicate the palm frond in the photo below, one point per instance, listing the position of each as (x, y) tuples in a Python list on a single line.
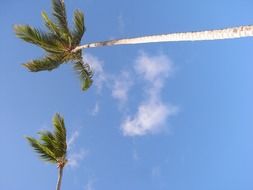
[(51, 147), (49, 63), (79, 29), (44, 152), (37, 37), (48, 140), (85, 73), (59, 34), (60, 133), (58, 42), (50, 24), (60, 15)]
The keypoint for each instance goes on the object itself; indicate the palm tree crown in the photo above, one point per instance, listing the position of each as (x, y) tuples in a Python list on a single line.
[(52, 147), (58, 42)]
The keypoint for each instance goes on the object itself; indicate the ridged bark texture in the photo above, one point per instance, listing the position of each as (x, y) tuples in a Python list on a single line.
[(228, 33)]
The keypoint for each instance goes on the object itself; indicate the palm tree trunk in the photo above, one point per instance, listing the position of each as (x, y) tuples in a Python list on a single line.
[(60, 172), (228, 33)]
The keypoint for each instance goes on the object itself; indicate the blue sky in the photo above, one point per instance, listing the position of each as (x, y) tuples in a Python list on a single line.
[(159, 116)]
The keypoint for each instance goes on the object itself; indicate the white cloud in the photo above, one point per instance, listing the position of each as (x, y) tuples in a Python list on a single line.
[(152, 113), (153, 68), (96, 109), (121, 23), (150, 118), (121, 87), (72, 139), (136, 156), (75, 158), (97, 67), (89, 185)]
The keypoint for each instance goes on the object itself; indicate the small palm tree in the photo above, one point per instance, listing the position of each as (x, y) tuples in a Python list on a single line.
[(52, 147), (58, 42)]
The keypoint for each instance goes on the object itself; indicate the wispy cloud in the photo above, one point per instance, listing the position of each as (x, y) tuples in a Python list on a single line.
[(90, 185), (75, 158), (152, 113), (95, 109), (153, 68), (72, 139), (136, 156), (121, 87), (97, 67), (121, 23)]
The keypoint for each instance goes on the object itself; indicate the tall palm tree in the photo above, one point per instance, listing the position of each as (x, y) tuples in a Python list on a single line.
[(228, 33), (58, 42), (52, 147), (63, 45)]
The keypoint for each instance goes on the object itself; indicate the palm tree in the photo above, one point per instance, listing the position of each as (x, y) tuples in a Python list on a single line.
[(52, 147), (58, 43), (228, 33), (63, 45)]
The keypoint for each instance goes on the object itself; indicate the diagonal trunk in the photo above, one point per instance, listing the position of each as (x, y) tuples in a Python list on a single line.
[(60, 172), (228, 33)]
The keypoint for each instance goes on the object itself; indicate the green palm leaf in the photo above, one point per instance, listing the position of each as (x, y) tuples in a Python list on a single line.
[(37, 37), (44, 152), (85, 73), (58, 42), (49, 63), (60, 133), (51, 25), (79, 27), (51, 147), (48, 139), (59, 12)]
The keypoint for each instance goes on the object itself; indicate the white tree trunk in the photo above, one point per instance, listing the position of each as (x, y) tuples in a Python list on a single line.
[(60, 172), (228, 33)]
